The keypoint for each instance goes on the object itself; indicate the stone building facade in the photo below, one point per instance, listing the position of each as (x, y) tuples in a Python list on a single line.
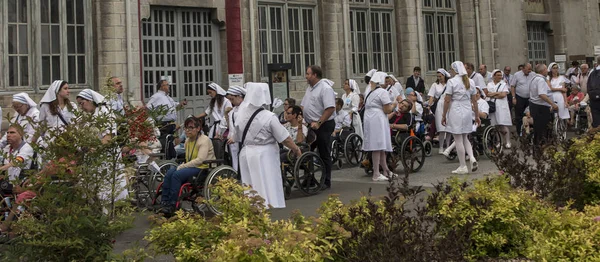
[(142, 41)]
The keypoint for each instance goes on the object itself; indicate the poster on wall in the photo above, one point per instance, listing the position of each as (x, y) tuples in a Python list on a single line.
[(280, 87), (535, 6)]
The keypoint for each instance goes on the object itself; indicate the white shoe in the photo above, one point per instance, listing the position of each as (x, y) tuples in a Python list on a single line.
[(392, 175), (446, 153), (441, 152), (474, 165), (508, 145), (380, 178), (461, 170)]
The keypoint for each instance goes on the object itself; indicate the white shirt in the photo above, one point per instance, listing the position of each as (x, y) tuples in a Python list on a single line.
[(117, 104), (521, 83), (316, 99), (400, 89), (54, 121), (22, 155), (539, 87), (478, 79), (161, 99), (342, 119), (23, 121), (393, 92), (293, 131)]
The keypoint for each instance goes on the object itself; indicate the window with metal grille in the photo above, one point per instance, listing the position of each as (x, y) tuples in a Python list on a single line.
[(440, 33), (61, 32), (537, 43), (372, 40), (287, 35)]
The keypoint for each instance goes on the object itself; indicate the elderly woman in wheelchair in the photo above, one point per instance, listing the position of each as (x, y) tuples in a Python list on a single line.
[(198, 149)]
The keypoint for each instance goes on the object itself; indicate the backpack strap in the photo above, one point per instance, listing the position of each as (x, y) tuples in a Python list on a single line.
[(248, 126)]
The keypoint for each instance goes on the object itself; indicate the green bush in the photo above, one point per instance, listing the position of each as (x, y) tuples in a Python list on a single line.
[(244, 232)]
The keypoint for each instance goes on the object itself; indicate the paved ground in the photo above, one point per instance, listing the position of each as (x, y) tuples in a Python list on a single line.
[(348, 183)]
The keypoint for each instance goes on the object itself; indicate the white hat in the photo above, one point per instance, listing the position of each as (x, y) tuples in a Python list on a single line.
[(257, 94), (328, 82), (50, 94), (444, 72), (236, 90), (217, 88), (371, 72), (24, 98), (459, 68), (393, 77), (497, 70), (353, 85), (379, 78), (91, 95)]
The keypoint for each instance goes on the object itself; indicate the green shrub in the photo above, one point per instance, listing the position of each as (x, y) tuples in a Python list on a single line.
[(244, 232)]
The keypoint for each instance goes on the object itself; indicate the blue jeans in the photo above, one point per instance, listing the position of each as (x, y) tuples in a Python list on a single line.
[(175, 178)]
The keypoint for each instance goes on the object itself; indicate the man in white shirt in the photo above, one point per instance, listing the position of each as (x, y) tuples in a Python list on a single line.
[(18, 152), (519, 89), (166, 122), (318, 106), (507, 78), (477, 78), (487, 76), (117, 104), (540, 104)]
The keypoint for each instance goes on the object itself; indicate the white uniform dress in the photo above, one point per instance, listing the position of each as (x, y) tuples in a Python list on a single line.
[(54, 122), (459, 119), (377, 127), (351, 105), (234, 148), (502, 115), (23, 154), (217, 118), (259, 157), (558, 82), (23, 121), (438, 91)]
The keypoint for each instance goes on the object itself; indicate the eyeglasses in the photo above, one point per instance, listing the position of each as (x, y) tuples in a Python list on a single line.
[(81, 103), (190, 128)]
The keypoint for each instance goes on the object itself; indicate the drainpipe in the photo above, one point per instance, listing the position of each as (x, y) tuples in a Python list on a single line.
[(492, 33), (129, 42), (478, 32), (346, 20), (235, 60), (252, 41), (140, 50), (420, 36)]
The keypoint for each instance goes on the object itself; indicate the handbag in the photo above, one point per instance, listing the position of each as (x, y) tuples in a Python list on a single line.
[(492, 104), (434, 106)]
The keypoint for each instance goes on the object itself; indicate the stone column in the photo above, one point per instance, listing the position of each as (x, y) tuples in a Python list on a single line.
[(330, 17)]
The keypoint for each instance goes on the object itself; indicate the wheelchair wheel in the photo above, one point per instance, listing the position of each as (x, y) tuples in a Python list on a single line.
[(560, 128), (452, 155), (412, 154), (187, 199), (353, 149), (335, 154), (492, 141), (155, 179), (213, 177), (428, 148), (309, 171)]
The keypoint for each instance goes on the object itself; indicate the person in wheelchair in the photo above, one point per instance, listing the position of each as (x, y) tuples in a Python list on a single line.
[(294, 126), (416, 110), (342, 118), (198, 148), (18, 153), (573, 102), (401, 120)]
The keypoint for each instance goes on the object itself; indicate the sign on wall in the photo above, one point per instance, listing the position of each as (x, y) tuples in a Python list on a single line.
[(535, 6)]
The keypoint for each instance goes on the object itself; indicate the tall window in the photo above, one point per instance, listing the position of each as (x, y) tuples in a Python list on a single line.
[(440, 33), (372, 40), (54, 45), (537, 43), (287, 35)]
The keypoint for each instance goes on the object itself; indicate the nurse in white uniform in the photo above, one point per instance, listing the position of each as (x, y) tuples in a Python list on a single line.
[(26, 115), (559, 91), (235, 94), (216, 110), (94, 103), (351, 101), (368, 77), (377, 138), (259, 155), (461, 100), (56, 111), (497, 90), (437, 93)]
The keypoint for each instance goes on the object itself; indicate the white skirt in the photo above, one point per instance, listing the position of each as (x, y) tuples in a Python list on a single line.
[(460, 118), (377, 134), (563, 112), (259, 166), (439, 111), (502, 115)]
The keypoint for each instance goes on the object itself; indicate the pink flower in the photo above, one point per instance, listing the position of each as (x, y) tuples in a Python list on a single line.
[(597, 219)]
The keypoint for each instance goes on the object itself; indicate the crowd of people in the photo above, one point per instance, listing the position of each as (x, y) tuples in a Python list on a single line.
[(453, 106)]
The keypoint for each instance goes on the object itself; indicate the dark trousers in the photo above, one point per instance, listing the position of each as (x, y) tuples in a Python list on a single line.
[(175, 178), (166, 129), (595, 109), (522, 103), (323, 143), (541, 119)]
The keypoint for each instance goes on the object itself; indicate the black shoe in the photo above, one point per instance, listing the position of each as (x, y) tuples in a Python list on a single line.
[(168, 210)]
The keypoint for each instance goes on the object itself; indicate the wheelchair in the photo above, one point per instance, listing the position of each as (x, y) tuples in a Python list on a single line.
[(406, 148), (305, 172), (348, 145), (559, 127), (486, 140), (195, 187), (581, 119)]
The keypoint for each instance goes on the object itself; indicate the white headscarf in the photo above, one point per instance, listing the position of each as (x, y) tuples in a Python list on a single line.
[(353, 86), (459, 68), (217, 88), (497, 70), (379, 78), (52, 91), (24, 98), (236, 91), (393, 78), (257, 94), (371, 72), (444, 72), (550, 68), (91, 95)]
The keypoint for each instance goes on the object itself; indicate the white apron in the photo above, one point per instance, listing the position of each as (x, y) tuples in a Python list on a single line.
[(377, 127), (502, 115), (459, 119), (351, 105), (234, 148), (439, 92), (217, 117), (559, 99)]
